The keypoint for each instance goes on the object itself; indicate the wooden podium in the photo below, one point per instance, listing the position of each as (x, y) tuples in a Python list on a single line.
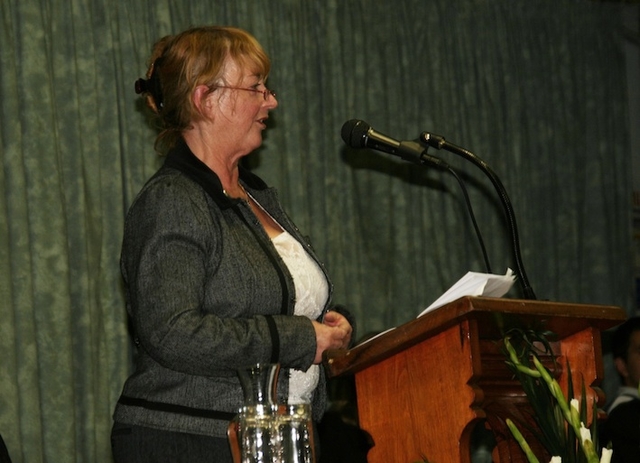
[(423, 386)]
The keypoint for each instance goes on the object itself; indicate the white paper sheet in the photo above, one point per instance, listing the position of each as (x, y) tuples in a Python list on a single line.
[(475, 284)]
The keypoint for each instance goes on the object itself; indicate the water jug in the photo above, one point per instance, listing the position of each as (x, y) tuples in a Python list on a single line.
[(295, 433), (264, 431)]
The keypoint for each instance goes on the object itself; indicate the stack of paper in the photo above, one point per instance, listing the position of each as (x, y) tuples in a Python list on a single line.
[(475, 284)]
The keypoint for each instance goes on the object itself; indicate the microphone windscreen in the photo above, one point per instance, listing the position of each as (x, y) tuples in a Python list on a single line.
[(354, 133)]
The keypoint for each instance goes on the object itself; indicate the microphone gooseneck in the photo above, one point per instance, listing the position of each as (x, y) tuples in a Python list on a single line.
[(439, 142), (358, 134)]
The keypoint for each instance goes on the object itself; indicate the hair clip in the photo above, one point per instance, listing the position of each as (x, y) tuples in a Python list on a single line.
[(151, 85), (141, 86)]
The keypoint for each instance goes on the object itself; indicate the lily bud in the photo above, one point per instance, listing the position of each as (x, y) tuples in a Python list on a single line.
[(585, 434), (606, 455)]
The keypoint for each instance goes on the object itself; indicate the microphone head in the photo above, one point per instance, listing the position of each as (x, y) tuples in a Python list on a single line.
[(354, 133)]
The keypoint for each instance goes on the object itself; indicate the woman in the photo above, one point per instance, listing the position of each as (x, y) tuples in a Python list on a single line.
[(217, 277)]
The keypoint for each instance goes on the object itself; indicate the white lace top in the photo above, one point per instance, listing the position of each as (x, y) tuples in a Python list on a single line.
[(312, 291)]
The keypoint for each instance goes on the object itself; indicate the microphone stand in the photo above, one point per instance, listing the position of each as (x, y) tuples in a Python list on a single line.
[(439, 142), (412, 151)]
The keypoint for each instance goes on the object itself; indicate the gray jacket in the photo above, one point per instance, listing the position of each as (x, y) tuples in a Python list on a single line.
[(207, 293)]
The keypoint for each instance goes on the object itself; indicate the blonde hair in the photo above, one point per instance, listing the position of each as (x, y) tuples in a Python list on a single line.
[(182, 62)]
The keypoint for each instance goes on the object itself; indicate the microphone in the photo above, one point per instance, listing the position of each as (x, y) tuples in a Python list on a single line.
[(358, 134)]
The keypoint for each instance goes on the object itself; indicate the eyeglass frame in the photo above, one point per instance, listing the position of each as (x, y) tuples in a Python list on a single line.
[(265, 93)]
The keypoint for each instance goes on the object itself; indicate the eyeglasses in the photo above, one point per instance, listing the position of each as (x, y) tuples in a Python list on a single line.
[(265, 93)]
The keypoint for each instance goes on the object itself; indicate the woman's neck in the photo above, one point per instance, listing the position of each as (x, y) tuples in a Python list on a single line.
[(222, 161)]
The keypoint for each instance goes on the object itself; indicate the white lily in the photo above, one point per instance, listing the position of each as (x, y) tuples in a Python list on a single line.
[(575, 404), (585, 434)]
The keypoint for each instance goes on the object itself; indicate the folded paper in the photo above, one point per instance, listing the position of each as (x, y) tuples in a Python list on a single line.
[(475, 284)]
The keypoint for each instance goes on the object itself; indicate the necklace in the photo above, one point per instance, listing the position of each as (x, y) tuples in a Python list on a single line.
[(244, 196), (248, 196)]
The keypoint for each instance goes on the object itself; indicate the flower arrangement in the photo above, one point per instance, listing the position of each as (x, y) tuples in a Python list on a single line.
[(560, 420)]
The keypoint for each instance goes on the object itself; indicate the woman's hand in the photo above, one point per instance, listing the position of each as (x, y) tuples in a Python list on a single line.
[(333, 333)]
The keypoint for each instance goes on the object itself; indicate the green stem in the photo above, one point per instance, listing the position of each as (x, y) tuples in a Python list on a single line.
[(522, 442), (571, 418), (587, 446)]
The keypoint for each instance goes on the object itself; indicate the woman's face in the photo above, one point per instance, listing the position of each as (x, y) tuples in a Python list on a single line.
[(240, 114)]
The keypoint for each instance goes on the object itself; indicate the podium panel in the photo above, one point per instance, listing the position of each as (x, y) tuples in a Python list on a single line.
[(423, 386)]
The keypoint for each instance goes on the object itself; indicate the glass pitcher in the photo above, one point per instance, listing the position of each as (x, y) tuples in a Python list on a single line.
[(295, 434), (265, 432), (252, 434)]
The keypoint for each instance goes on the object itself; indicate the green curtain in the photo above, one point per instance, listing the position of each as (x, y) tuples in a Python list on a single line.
[(536, 88)]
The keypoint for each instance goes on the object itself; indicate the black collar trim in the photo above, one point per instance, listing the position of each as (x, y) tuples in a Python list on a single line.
[(182, 158)]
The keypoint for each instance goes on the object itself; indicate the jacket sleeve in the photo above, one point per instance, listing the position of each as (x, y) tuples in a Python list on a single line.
[(168, 235)]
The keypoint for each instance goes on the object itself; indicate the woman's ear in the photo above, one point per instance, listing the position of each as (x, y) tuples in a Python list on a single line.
[(201, 100)]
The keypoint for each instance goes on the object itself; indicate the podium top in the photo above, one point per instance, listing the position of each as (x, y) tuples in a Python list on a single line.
[(494, 316)]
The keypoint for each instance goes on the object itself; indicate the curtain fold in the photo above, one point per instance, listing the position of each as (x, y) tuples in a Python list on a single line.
[(536, 89)]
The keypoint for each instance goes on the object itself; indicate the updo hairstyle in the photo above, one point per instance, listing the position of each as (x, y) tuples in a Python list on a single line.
[(180, 63)]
